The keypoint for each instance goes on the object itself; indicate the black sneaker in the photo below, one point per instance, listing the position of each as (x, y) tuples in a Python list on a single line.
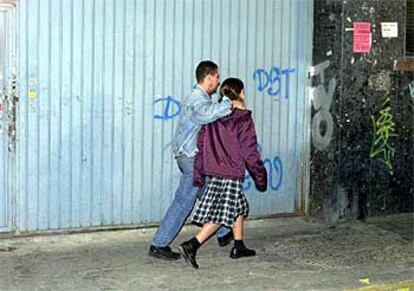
[(226, 239), (188, 253), (240, 253), (164, 253)]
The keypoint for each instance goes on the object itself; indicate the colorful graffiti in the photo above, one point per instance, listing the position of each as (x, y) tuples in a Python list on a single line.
[(321, 101), (384, 129), (272, 81)]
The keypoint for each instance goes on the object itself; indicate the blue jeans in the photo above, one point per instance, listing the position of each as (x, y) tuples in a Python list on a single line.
[(182, 205)]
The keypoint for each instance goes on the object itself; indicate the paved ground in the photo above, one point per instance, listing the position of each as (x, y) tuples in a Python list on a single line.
[(293, 254)]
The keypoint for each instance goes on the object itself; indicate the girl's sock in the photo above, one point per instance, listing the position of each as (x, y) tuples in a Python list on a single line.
[(195, 244), (239, 244)]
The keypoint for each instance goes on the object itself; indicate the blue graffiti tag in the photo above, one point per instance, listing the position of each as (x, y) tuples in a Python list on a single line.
[(272, 80), (274, 181), (260, 73), (166, 114), (274, 169)]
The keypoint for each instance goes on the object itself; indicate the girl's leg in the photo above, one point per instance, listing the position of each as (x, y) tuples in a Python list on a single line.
[(188, 249), (238, 228), (240, 250), (206, 231)]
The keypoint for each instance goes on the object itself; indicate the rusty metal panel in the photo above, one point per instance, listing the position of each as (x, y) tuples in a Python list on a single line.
[(101, 84)]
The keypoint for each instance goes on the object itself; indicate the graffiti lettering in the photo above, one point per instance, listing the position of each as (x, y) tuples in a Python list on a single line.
[(274, 169), (272, 81), (321, 101), (384, 129), (167, 114)]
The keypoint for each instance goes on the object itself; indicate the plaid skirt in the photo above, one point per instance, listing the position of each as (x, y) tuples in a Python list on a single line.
[(223, 201)]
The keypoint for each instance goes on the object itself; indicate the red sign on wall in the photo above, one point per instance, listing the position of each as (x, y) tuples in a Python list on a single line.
[(362, 37)]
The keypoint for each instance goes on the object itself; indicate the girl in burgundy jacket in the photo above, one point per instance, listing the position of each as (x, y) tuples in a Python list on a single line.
[(226, 148)]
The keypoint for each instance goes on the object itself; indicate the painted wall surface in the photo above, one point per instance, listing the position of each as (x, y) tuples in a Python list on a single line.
[(100, 86), (363, 149)]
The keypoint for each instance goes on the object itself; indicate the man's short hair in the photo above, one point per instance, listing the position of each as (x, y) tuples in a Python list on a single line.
[(205, 68)]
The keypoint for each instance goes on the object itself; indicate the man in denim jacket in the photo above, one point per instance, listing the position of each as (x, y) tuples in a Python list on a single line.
[(198, 109)]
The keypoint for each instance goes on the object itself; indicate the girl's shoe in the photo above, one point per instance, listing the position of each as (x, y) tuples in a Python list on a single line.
[(188, 253), (240, 253), (226, 239)]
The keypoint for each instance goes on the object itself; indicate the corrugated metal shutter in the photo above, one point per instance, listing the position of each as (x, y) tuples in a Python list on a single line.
[(100, 85)]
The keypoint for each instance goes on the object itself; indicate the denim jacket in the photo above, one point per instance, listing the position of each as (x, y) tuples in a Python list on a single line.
[(197, 109)]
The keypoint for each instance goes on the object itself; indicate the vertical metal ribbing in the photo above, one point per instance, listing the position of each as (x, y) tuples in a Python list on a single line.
[(142, 169), (134, 115), (25, 153), (59, 162), (82, 127), (174, 88), (113, 8), (98, 153), (280, 61), (122, 150), (36, 132), (162, 91), (6, 158), (103, 114), (71, 118)]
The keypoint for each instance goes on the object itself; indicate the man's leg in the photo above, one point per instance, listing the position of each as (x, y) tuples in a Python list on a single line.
[(180, 207), (223, 231)]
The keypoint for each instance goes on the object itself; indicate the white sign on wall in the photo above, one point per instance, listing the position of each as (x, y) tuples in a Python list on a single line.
[(389, 29)]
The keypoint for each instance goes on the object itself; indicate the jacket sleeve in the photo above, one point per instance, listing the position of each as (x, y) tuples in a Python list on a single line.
[(251, 155), (207, 110), (198, 179)]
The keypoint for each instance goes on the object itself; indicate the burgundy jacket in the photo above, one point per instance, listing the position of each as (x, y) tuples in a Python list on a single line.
[(227, 147)]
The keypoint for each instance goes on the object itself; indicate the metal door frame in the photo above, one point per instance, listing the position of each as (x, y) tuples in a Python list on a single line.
[(8, 98)]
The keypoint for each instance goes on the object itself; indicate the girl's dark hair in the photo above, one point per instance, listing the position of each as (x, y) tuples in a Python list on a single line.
[(231, 87)]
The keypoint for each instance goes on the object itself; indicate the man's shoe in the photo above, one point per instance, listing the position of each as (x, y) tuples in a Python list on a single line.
[(164, 253), (240, 253), (188, 253), (226, 239)]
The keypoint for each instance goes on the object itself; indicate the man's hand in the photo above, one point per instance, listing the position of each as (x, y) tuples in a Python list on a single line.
[(238, 104)]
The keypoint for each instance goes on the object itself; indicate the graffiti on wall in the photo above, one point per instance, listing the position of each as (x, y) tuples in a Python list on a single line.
[(384, 129), (273, 80), (411, 89), (172, 108), (321, 101), (274, 169)]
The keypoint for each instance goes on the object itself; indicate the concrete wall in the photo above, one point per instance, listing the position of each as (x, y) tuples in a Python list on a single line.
[(359, 169)]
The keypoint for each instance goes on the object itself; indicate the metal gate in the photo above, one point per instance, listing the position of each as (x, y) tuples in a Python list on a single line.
[(101, 84)]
